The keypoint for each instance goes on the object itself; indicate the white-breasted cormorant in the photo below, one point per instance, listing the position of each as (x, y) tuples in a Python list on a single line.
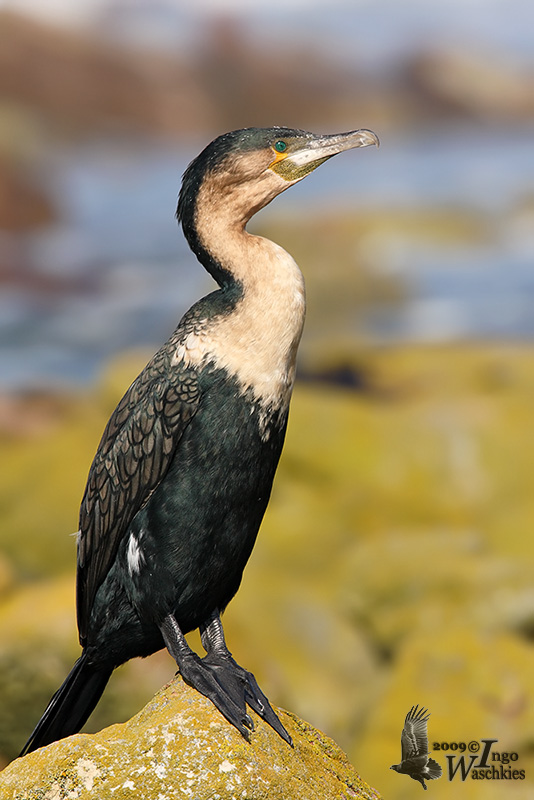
[(183, 473)]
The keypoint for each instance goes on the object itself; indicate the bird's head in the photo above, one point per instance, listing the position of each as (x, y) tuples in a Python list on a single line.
[(396, 767), (244, 170)]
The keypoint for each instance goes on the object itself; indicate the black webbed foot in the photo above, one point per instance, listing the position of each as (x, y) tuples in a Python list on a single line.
[(219, 678), (224, 687), (242, 686)]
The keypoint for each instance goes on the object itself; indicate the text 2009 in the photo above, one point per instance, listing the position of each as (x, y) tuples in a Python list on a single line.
[(461, 747)]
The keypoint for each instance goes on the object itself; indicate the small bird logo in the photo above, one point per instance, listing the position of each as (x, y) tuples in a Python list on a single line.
[(414, 749)]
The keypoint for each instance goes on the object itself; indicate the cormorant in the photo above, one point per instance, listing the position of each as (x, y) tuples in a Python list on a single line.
[(183, 472), (415, 760)]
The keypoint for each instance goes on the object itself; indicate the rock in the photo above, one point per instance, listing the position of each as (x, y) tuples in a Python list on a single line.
[(179, 746)]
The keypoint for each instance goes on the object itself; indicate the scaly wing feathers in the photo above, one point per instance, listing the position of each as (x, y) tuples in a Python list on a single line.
[(414, 737), (134, 454)]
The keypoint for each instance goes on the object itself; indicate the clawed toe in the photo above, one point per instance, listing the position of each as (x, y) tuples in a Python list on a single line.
[(219, 678), (225, 691), (257, 701), (230, 688)]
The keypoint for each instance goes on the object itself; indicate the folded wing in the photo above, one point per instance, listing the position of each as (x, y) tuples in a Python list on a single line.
[(136, 449)]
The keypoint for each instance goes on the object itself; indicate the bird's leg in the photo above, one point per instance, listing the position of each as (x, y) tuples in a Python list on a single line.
[(240, 684), (228, 697), (218, 677)]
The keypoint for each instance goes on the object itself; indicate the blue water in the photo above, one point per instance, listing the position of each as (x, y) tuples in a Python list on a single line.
[(130, 276)]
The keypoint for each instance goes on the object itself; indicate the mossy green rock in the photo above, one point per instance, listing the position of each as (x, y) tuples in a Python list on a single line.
[(179, 746)]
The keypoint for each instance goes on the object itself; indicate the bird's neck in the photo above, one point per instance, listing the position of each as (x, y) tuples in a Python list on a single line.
[(257, 342)]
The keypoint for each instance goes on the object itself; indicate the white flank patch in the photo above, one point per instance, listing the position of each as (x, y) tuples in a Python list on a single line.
[(135, 555)]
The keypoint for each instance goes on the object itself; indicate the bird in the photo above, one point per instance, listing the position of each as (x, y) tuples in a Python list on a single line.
[(183, 473), (415, 760)]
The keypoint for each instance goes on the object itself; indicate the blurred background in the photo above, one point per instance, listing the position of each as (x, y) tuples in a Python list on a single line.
[(395, 563)]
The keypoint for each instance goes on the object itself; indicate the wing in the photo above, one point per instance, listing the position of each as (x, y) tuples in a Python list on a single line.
[(133, 456), (414, 737)]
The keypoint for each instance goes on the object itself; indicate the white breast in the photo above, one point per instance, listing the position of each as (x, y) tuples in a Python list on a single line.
[(258, 341)]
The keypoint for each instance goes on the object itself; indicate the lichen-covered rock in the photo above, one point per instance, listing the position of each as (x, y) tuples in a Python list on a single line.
[(179, 746)]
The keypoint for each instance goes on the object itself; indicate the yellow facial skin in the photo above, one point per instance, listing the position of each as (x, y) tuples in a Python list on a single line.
[(289, 171), (296, 158)]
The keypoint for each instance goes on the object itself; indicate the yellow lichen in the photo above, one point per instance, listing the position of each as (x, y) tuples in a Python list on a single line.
[(171, 750)]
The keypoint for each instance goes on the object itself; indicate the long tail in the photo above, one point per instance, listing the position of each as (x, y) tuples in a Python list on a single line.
[(70, 707)]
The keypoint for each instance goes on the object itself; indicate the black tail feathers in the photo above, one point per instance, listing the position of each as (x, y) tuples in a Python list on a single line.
[(70, 707), (433, 768)]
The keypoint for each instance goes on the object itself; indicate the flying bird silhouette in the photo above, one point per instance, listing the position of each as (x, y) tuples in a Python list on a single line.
[(414, 749)]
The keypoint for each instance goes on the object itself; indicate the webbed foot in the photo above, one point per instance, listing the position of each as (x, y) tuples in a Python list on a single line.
[(243, 688), (219, 678)]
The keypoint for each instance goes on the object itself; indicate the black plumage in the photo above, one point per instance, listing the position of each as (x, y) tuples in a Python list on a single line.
[(415, 760), (183, 472)]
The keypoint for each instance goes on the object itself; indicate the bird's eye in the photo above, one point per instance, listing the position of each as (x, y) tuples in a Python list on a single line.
[(280, 147)]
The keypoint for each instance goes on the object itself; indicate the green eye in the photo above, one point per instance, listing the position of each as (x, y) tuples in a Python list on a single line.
[(280, 147)]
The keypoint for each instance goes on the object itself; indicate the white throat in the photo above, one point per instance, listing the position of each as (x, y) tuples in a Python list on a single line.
[(257, 342)]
